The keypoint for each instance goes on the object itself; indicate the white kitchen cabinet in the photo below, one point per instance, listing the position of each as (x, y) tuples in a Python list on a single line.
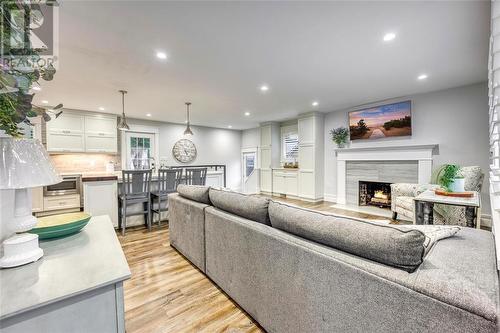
[(101, 143), (59, 202), (266, 180), (66, 133), (279, 186), (311, 161), (285, 182), (37, 199), (291, 183), (100, 124), (101, 198), (76, 132)]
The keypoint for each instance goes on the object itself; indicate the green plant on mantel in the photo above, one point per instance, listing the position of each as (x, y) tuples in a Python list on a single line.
[(18, 77), (447, 175), (339, 136)]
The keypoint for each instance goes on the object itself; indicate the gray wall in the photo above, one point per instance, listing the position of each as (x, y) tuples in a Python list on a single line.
[(456, 119), (250, 138), (214, 146)]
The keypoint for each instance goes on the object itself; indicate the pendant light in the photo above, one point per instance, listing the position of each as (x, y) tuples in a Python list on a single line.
[(122, 125), (188, 128)]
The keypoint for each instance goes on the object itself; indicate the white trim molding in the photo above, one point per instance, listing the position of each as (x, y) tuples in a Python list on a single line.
[(420, 153)]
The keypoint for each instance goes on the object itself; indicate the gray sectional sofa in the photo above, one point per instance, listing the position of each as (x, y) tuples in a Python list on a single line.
[(295, 270)]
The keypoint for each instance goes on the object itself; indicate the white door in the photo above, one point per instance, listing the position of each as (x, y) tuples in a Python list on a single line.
[(140, 152), (250, 179)]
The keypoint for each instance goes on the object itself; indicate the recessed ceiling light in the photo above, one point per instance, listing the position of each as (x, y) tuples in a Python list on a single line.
[(45, 102), (264, 88), (185, 121), (101, 108), (36, 88), (247, 113), (389, 36), (229, 126), (315, 103), (161, 55), (422, 77), (148, 114)]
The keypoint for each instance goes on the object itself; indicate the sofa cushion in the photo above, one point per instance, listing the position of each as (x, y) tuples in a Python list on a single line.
[(250, 207), (391, 245), (194, 192)]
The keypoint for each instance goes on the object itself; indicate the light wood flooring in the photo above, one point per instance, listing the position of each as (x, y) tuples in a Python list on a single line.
[(166, 293)]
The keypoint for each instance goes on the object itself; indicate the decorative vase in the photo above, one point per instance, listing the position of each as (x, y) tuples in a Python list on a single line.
[(341, 145), (458, 185)]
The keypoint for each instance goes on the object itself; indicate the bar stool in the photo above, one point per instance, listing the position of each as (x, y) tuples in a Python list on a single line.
[(136, 185), (168, 180), (196, 176)]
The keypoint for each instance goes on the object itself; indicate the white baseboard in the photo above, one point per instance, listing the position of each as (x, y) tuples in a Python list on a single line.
[(330, 197)]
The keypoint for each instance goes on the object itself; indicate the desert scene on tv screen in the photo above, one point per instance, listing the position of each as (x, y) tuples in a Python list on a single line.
[(381, 122)]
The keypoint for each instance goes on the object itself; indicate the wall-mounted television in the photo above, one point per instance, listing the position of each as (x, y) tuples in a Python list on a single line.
[(384, 121)]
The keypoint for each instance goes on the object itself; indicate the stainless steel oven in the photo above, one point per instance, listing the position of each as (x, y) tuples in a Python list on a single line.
[(71, 184)]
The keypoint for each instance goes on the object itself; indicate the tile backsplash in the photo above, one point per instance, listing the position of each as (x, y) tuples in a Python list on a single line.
[(80, 163)]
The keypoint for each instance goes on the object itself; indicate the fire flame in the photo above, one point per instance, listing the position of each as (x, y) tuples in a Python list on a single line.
[(381, 195)]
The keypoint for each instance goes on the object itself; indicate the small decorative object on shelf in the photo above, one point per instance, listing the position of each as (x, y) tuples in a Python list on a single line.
[(450, 179), (454, 194), (339, 136)]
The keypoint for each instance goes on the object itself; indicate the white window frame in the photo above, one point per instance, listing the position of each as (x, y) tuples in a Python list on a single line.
[(140, 129), (285, 130)]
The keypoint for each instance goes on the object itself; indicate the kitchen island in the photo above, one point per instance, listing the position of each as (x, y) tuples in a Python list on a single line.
[(77, 286)]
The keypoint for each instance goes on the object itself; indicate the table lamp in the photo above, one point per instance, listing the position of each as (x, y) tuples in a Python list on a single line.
[(24, 163)]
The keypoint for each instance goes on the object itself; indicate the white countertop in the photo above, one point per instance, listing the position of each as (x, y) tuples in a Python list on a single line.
[(72, 265)]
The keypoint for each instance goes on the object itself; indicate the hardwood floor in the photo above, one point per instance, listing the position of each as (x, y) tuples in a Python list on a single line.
[(166, 293)]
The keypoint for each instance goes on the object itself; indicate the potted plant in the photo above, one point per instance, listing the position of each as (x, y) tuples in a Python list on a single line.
[(339, 136), (17, 77), (450, 178)]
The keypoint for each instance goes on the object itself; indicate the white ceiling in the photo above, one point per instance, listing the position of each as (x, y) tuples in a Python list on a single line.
[(219, 53)]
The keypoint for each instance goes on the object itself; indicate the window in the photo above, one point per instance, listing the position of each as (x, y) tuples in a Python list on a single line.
[(139, 150), (290, 143)]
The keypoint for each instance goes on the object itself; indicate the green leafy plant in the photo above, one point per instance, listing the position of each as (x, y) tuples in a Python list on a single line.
[(339, 135), (448, 174), (17, 77)]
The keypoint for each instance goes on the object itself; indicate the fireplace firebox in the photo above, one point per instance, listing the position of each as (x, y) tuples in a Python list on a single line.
[(374, 194)]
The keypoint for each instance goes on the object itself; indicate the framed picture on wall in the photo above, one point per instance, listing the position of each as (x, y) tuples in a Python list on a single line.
[(389, 120)]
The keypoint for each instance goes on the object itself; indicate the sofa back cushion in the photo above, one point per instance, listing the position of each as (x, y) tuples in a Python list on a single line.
[(250, 207), (195, 193), (391, 245)]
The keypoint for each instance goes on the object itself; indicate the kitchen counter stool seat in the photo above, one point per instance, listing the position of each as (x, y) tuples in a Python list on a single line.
[(136, 188), (168, 180)]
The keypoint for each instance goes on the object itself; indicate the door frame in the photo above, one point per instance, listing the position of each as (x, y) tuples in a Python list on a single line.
[(155, 131)]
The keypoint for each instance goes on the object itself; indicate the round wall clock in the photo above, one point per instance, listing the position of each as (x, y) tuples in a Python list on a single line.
[(184, 151)]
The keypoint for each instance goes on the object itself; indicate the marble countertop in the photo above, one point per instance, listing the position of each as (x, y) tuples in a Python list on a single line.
[(72, 265)]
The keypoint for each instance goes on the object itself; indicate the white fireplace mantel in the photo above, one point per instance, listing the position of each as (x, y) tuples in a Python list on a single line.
[(420, 153)]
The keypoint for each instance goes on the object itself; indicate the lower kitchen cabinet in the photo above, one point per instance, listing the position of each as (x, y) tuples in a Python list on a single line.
[(59, 202), (101, 198), (285, 182)]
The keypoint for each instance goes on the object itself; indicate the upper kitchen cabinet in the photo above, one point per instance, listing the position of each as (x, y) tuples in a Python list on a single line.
[(66, 133), (100, 134), (75, 132)]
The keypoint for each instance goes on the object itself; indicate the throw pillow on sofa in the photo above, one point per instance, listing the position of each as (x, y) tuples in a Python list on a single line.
[(391, 245), (194, 192), (250, 207)]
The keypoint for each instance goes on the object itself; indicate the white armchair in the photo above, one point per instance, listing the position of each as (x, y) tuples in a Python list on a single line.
[(402, 195)]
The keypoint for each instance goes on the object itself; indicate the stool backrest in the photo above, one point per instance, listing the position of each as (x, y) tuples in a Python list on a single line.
[(168, 179), (136, 182), (196, 176)]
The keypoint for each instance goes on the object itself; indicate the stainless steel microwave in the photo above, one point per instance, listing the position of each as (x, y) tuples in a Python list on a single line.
[(71, 184)]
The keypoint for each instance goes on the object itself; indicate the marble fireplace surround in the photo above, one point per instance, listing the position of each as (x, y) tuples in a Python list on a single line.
[(422, 154)]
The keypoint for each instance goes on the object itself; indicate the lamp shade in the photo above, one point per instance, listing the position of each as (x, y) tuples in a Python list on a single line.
[(24, 163)]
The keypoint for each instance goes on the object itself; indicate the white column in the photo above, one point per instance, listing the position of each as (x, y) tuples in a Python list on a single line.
[(341, 179)]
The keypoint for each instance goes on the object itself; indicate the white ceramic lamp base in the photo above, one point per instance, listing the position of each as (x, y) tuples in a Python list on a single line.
[(19, 250)]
